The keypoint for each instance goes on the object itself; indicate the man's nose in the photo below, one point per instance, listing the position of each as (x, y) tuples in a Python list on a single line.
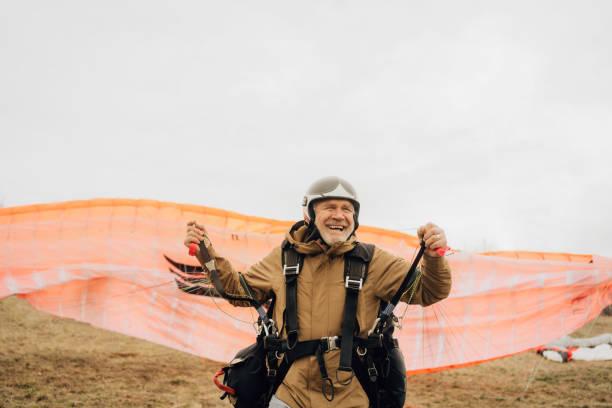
[(337, 214)]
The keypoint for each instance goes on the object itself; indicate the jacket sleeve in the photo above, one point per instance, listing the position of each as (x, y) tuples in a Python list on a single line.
[(258, 276), (389, 271)]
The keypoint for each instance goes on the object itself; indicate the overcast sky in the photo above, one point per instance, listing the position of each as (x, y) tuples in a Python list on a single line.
[(492, 119)]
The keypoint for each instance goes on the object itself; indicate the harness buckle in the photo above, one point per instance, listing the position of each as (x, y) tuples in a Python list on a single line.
[(331, 343), (291, 269), (271, 373), (353, 284), (373, 373)]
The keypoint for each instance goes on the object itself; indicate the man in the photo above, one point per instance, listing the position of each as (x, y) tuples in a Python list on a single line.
[(331, 211)]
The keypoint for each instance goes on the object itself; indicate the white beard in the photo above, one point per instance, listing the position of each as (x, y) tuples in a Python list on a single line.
[(330, 239)]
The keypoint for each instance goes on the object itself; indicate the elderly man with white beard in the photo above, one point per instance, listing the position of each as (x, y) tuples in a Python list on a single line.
[(328, 290)]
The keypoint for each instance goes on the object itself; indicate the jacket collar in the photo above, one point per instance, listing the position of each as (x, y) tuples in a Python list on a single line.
[(298, 233)]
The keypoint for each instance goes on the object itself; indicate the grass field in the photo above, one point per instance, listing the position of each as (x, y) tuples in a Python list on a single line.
[(46, 361)]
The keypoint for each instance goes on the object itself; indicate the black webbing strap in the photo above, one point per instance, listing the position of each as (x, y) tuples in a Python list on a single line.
[(292, 263), (372, 343), (327, 382), (212, 272), (356, 264), (271, 332), (310, 347), (254, 302), (410, 277), (406, 283), (372, 371)]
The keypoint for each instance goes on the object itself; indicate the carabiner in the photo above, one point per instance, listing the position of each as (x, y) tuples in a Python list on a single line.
[(331, 384)]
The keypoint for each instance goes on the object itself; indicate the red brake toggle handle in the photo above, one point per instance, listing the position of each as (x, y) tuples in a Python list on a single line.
[(442, 251), (192, 249)]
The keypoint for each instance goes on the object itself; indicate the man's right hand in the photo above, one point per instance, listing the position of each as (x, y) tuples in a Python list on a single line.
[(196, 233), (434, 238)]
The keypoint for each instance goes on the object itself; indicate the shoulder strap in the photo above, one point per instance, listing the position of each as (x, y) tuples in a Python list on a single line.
[(292, 264), (356, 263)]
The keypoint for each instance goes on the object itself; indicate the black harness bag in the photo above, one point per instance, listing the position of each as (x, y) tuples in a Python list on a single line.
[(245, 377), (388, 388)]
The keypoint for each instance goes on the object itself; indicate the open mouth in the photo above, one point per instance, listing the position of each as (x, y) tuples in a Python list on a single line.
[(339, 228)]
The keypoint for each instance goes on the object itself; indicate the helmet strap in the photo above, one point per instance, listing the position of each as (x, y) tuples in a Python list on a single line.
[(312, 233)]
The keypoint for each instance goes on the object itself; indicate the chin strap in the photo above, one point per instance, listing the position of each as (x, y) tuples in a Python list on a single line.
[(313, 234)]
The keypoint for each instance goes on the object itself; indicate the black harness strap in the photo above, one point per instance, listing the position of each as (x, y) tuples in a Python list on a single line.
[(356, 264), (292, 263), (309, 348), (410, 278), (326, 380), (212, 272)]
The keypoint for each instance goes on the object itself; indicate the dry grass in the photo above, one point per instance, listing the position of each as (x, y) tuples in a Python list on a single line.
[(46, 361)]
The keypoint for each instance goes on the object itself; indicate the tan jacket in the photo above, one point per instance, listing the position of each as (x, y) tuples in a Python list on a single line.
[(320, 300)]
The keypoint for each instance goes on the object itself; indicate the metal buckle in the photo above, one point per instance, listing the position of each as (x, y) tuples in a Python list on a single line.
[(353, 284), (372, 372), (291, 269), (396, 322), (272, 327), (331, 343), (210, 265), (265, 329)]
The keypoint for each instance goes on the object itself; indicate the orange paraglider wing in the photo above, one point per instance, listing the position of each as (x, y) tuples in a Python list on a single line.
[(121, 265)]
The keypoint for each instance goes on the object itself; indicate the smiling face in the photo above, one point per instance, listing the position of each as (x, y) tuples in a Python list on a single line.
[(334, 219)]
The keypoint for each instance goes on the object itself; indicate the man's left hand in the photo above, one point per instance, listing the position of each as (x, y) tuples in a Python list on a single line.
[(434, 238)]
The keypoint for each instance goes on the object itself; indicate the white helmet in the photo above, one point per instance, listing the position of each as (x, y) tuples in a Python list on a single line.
[(325, 188)]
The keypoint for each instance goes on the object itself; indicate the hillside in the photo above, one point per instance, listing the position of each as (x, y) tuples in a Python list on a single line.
[(46, 361)]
